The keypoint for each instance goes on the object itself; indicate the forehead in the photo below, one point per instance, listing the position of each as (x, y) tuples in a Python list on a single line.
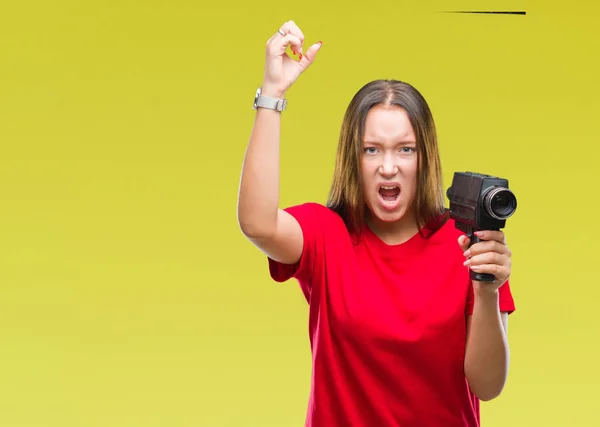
[(388, 124)]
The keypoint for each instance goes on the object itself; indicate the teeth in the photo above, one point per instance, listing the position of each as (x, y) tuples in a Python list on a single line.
[(388, 188)]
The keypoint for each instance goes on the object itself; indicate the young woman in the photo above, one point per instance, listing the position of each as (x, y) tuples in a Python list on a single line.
[(400, 335)]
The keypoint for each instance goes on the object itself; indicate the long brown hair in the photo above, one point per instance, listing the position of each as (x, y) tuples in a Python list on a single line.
[(346, 196)]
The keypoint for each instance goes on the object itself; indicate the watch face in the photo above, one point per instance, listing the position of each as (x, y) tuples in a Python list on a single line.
[(256, 98)]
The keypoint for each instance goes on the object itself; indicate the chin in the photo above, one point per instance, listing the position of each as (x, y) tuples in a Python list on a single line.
[(387, 216)]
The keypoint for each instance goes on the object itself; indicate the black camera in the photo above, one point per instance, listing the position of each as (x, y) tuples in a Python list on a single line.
[(480, 202)]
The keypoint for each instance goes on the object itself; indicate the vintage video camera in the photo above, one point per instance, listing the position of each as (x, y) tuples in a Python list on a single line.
[(480, 202)]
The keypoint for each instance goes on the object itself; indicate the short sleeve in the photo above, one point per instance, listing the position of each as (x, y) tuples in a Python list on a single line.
[(309, 217), (505, 299)]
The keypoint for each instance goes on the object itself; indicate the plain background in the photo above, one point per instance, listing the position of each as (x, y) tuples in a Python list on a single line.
[(128, 295)]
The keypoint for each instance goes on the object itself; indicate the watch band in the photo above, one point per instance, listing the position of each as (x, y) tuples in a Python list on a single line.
[(262, 101)]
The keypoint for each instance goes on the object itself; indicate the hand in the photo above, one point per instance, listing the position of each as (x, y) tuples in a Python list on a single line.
[(489, 256), (281, 71)]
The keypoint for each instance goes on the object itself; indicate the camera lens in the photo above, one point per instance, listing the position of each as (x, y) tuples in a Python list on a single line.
[(500, 203)]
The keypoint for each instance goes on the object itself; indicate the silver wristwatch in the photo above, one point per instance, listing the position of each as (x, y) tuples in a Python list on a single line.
[(263, 101)]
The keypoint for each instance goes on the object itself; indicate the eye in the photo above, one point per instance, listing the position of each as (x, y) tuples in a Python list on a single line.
[(408, 150), (370, 150)]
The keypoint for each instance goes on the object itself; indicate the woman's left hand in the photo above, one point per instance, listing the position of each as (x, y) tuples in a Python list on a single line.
[(491, 255)]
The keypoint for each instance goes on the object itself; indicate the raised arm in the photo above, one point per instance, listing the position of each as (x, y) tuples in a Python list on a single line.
[(272, 230)]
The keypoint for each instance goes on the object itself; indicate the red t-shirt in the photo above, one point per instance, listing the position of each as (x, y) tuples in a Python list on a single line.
[(386, 325)]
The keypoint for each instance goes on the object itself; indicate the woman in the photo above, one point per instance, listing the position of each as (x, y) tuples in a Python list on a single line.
[(400, 336)]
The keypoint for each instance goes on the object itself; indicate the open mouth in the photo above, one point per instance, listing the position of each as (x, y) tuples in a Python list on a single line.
[(389, 194)]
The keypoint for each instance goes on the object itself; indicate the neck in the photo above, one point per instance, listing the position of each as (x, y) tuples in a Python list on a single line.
[(393, 233)]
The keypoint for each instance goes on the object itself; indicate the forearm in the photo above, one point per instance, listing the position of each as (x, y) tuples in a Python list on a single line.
[(487, 351), (258, 198)]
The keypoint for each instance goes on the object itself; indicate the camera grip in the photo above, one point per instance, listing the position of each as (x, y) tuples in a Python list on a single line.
[(480, 277)]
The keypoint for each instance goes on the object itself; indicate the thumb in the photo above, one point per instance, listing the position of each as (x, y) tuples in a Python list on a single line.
[(463, 242), (310, 55)]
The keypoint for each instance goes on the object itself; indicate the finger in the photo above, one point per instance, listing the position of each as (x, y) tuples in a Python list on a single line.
[(488, 246), (496, 235), (501, 273), (279, 45), (290, 27), (488, 258), (293, 29), (310, 55), (463, 242), (277, 35)]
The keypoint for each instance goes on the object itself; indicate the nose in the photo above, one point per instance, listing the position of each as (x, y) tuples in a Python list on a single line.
[(388, 167)]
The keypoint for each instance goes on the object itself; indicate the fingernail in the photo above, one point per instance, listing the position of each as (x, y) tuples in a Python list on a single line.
[(467, 262), (293, 51), (474, 267), (467, 253), (300, 56), (479, 233)]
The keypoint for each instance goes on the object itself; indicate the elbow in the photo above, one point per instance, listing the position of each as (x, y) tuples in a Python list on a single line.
[(249, 229), (486, 391), (255, 224), (252, 229), (488, 395), (486, 380)]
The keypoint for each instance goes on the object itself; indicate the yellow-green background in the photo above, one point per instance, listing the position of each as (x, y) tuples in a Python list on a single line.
[(128, 296)]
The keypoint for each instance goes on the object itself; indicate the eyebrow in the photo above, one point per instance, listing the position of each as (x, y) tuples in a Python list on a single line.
[(397, 143)]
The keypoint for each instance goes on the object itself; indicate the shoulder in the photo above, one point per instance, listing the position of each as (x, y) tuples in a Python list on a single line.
[(321, 227), (312, 207), (314, 213)]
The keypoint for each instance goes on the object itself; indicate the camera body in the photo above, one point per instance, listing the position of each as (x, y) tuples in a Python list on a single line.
[(480, 202)]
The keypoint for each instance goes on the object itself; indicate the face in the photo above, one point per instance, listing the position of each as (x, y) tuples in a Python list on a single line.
[(389, 165)]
